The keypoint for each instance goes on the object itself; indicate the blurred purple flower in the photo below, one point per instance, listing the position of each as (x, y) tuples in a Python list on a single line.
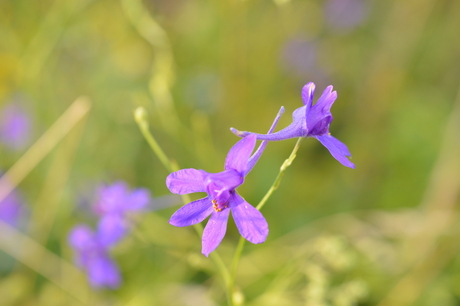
[(117, 198), (114, 203), (311, 121), (93, 257), (14, 127), (345, 14), (300, 56), (11, 209), (221, 196)]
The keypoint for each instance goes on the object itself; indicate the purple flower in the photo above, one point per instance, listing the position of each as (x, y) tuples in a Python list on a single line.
[(14, 127), (114, 203), (311, 121), (222, 196), (93, 257), (11, 209), (345, 14), (117, 198)]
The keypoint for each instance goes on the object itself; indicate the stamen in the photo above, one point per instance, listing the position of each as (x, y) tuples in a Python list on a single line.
[(216, 207)]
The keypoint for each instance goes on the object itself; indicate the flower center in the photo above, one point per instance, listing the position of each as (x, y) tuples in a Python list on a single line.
[(220, 186), (218, 207)]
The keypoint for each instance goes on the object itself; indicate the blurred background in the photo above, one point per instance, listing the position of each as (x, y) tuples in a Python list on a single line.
[(385, 233)]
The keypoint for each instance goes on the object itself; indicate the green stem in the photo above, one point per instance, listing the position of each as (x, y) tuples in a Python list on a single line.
[(140, 115), (275, 185), (278, 178)]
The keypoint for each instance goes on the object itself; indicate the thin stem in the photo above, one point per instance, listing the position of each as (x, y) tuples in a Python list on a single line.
[(278, 178), (242, 241), (140, 115)]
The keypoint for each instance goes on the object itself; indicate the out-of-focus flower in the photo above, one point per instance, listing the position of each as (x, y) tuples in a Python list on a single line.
[(118, 198), (11, 208), (311, 121), (300, 56), (93, 257), (344, 15), (222, 196), (14, 127), (114, 203)]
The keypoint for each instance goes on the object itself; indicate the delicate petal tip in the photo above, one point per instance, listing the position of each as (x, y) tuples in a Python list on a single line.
[(239, 154), (328, 96), (239, 133), (214, 231), (307, 93), (337, 149), (186, 181), (192, 213), (250, 222)]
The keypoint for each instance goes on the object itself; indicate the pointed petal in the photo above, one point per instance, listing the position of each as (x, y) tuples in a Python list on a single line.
[(103, 272), (192, 213), (111, 229), (250, 222), (214, 231), (319, 116), (138, 199), (238, 156), (185, 181), (340, 145), (307, 94), (337, 149), (255, 157)]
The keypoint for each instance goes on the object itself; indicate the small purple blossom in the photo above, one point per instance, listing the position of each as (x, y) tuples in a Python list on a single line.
[(221, 196), (14, 127), (114, 203), (311, 121), (93, 257)]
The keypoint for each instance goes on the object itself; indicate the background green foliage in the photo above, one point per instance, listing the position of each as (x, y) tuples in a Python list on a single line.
[(386, 233)]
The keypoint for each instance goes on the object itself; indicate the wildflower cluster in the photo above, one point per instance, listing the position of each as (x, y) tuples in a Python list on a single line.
[(113, 205), (220, 188)]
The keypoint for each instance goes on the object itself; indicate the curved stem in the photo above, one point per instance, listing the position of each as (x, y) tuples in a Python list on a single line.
[(242, 241), (140, 115)]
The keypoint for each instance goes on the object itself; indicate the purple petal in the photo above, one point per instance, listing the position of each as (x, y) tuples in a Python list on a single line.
[(138, 199), (111, 229), (192, 213), (255, 157), (81, 238), (250, 222), (307, 94), (238, 156), (319, 116), (337, 149), (185, 181), (103, 272), (214, 231)]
